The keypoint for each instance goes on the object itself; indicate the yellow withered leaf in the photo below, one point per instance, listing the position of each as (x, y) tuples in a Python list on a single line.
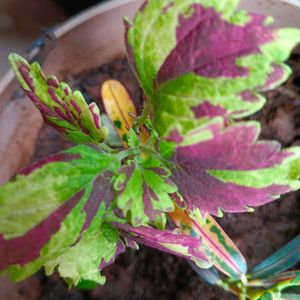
[(120, 109)]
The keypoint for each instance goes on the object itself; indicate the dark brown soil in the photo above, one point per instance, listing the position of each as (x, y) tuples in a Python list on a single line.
[(148, 274)]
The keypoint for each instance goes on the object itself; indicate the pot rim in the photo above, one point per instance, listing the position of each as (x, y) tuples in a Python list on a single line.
[(66, 27)]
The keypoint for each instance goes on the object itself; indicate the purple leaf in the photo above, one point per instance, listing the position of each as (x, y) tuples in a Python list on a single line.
[(206, 109)]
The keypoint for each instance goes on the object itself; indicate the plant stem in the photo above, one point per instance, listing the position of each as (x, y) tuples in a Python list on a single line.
[(143, 117), (107, 148), (236, 288), (242, 297), (123, 154)]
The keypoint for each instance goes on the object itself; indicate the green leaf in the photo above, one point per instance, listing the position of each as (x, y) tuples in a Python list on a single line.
[(167, 149), (283, 259), (292, 290), (290, 296), (279, 286), (284, 279), (144, 192), (86, 285), (81, 261), (133, 140), (266, 296)]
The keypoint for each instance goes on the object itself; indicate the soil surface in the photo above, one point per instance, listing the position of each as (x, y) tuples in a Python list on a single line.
[(148, 274)]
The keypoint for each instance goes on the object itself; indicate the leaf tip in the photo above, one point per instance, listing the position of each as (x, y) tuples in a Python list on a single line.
[(13, 58)]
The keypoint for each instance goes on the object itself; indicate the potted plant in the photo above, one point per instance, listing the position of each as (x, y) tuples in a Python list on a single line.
[(184, 159)]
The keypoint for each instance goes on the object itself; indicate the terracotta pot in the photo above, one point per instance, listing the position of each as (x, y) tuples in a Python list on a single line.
[(89, 39)]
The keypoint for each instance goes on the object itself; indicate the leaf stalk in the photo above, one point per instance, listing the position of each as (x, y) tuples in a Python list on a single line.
[(143, 117)]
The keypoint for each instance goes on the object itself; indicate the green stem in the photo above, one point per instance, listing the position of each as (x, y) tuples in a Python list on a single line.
[(123, 154), (237, 288), (107, 149), (143, 117), (274, 290), (242, 297), (149, 151)]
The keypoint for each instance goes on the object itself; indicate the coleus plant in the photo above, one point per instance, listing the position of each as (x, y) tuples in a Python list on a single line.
[(185, 160)]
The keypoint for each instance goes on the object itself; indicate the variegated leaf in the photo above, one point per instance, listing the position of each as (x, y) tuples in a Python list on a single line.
[(52, 215), (226, 169), (61, 108), (144, 191), (216, 244), (195, 57), (167, 241)]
